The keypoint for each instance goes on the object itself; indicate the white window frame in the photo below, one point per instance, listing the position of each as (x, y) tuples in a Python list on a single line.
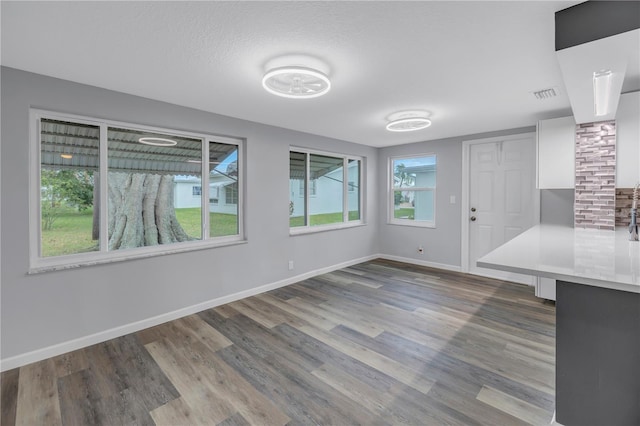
[(346, 223), (38, 263), (391, 189)]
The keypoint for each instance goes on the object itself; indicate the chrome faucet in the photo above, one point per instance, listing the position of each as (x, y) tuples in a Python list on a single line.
[(633, 228)]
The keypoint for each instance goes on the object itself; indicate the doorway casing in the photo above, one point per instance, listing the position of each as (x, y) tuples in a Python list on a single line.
[(465, 206)]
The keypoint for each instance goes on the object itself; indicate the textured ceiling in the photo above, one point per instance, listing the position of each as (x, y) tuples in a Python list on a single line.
[(471, 65)]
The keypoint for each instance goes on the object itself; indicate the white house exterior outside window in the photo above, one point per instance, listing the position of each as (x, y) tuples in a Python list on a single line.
[(105, 191), (412, 192)]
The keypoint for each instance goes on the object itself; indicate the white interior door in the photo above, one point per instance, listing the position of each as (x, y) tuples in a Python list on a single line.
[(503, 200)]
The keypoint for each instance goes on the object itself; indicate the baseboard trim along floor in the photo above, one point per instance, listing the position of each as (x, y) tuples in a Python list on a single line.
[(437, 265), (102, 336)]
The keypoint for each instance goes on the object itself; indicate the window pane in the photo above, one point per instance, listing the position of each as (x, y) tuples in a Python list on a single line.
[(327, 205), (353, 187), (151, 200), (413, 205), (223, 189), (414, 172), (297, 189), (69, 213), (313, 187)]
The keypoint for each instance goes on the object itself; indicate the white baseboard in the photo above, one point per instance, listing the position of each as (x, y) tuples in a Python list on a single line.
[(444, 266), (102, 336), (527, 280)]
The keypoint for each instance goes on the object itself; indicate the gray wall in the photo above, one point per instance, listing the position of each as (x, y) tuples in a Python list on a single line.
[(49, 308), (442, 244), (556, 206)]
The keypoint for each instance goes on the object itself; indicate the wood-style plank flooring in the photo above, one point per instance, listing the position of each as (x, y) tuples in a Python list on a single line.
[(376, 343)]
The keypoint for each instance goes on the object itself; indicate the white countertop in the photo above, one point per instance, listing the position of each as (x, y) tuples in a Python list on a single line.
[(585, 256)]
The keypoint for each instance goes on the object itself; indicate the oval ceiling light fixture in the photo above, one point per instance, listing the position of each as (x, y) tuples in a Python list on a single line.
[(66, 156), (408, 124), (158, 141), (296, 82), (408, 121)]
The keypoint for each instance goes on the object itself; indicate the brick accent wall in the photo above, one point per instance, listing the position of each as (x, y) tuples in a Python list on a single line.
[(595, 190)]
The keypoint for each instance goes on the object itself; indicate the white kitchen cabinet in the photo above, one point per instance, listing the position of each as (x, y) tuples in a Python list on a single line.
[(628, 141), (556, 153), (546, 288)]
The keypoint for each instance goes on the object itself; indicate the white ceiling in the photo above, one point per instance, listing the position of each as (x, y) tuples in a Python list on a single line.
[(471, 65)]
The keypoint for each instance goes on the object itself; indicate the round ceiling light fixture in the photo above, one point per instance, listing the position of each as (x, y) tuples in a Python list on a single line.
[(408, 124), (158, 141), (296, 82), (408, 120)]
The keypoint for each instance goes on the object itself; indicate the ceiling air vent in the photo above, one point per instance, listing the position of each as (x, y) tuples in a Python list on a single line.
[(549, 93)]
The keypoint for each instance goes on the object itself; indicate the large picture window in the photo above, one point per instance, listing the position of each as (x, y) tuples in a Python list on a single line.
[(324, 190), (105, 188), (413, 190)]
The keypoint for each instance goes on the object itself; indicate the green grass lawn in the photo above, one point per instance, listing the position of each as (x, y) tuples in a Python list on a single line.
[(71, 232), (220, 224), (404, 212), (323, 219)]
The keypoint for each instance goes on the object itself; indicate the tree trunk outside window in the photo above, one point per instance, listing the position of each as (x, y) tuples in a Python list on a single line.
[(141, 211)]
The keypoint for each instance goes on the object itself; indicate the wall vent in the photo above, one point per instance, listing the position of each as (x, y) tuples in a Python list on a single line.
[(551, 92)]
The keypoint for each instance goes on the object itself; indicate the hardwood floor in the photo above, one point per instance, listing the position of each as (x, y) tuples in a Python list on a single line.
[(376, 343)]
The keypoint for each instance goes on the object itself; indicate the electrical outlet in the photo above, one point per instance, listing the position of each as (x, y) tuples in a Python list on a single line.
[(291, 265), (420, 250)]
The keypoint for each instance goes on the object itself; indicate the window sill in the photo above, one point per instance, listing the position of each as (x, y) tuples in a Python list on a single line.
[(417, 224), (302, 230), (80, 260)]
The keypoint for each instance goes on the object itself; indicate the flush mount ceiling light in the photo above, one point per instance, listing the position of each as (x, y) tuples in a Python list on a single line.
[(158, 141), (296, 82), (601, 91), (408, 124), (66, 156)]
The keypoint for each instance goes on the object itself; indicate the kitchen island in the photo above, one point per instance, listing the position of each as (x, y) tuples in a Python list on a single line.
[(597, 277)]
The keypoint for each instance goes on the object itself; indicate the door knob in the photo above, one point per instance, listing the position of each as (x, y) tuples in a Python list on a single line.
[(473, 209), (473, 218)]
